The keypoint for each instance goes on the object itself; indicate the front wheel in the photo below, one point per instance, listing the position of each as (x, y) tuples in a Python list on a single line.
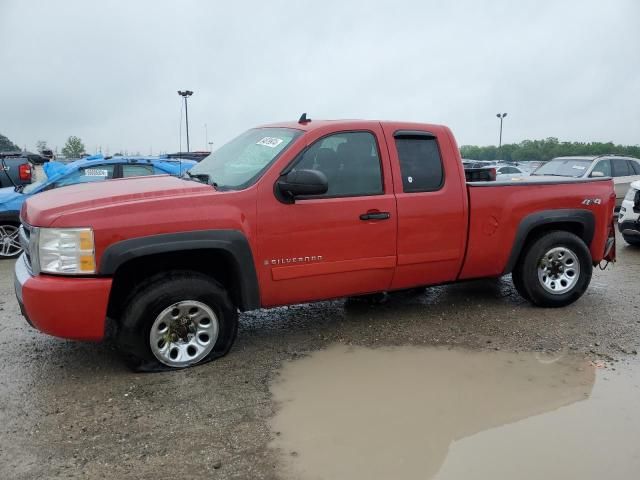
[(555, 270), (177, 320)]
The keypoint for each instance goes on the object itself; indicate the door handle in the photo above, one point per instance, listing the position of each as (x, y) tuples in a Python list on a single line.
[(375, 216)]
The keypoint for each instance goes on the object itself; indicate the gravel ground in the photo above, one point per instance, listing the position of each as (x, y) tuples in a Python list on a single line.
[(73, 410)]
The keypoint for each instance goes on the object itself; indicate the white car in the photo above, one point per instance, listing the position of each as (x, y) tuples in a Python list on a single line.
[(629, 216), (508, 172), (624, 170)]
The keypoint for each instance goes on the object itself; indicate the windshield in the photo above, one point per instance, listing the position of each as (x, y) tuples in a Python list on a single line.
[(240, 162), (565, 167)]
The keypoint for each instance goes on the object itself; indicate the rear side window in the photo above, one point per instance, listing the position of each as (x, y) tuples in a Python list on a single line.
[(129, 170), (420, 164), (635, 167), (621, 168)]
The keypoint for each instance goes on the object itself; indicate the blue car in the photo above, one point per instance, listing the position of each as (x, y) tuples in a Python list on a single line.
[(90, 169)]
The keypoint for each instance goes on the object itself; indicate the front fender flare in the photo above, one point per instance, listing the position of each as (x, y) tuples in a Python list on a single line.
[(232, 242)]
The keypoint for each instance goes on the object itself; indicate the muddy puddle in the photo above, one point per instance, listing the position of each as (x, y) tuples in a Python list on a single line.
[(422, 413)]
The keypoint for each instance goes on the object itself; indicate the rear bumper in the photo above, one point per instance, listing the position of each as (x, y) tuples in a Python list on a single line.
[(73, 308)]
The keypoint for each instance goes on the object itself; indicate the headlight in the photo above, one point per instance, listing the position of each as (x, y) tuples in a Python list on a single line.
[(630, 194), (67, 251)]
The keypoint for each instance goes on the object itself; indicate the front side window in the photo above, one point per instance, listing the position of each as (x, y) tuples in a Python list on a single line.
[(350, 162), (94, 173), (635, 167), (241, 162), (604, 167), (420, 164)]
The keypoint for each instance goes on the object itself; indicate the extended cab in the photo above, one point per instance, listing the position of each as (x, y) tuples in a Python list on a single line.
[(290, 213)]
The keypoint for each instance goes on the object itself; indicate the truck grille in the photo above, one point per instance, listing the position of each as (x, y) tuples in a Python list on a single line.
[(25, 241)]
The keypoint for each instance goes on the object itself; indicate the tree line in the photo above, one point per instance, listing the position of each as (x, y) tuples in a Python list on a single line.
[(543, 150), (525, 151)]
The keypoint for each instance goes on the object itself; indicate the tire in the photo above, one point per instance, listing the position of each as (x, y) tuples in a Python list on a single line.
[(179, 311), (635, 241), (9, 242), (554, 270), (518, 282)]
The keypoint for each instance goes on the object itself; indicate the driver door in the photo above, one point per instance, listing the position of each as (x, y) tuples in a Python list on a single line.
[(333, 245)]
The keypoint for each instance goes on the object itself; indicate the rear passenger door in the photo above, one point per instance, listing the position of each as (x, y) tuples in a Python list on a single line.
[(431, 203)]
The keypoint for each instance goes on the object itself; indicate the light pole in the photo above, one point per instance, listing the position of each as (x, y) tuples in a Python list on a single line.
[(186, 94), (501, 117)]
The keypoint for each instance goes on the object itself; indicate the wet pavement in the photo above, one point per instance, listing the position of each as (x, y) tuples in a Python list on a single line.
[(425, 412), (73, 410)]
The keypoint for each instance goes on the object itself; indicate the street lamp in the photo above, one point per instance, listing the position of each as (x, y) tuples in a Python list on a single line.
[(186, 94), (500, 116)]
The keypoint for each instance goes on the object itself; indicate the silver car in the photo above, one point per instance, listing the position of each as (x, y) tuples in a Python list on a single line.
[(624, 170), (629, 216)]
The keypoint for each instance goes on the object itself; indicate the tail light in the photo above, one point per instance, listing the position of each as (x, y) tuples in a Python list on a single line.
[(24, 172), (492, 174), (610, 246)]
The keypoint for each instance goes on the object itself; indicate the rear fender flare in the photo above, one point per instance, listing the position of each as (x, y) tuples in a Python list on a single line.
[(584, 218)]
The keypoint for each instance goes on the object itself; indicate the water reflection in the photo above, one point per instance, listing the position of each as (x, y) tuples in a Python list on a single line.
[(394, 413)]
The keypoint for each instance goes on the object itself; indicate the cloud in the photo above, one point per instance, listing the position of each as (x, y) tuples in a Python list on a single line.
[(108, 71)]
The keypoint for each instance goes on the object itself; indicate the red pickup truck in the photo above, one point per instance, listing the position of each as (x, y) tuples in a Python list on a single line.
[(290, 213)]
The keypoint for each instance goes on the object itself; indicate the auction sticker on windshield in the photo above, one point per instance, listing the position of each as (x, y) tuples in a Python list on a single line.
[(272, 142), (95, 172)]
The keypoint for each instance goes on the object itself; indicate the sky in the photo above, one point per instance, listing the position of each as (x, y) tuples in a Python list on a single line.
[(108, 71)]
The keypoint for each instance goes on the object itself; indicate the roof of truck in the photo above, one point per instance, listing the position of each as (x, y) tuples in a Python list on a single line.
[(346, 124)]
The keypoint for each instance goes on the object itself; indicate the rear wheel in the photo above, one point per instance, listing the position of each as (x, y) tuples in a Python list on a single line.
[(635, 241), (9, 241), (554, 271), (177, 320)]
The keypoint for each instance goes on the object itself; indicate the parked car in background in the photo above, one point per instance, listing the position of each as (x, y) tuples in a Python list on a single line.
[(508, 172), (91, 169), (624, 170), (15, 169), (629, 216)]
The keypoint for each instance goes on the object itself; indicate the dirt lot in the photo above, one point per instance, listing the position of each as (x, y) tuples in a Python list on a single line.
[(73, 410)]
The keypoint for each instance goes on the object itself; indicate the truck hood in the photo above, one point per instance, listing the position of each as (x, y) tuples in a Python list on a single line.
[(43, 209)]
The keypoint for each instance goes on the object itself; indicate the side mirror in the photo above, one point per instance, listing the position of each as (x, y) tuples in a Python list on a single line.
[(302, 182), (597, 174)]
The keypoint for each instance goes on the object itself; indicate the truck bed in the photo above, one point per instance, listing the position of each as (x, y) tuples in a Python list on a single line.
[(497, 209)]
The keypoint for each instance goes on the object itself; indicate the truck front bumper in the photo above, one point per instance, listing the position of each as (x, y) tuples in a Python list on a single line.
[(66, 307)]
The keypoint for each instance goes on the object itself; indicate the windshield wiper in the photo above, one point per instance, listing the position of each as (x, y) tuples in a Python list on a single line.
[(18, 188), (200, 177)]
